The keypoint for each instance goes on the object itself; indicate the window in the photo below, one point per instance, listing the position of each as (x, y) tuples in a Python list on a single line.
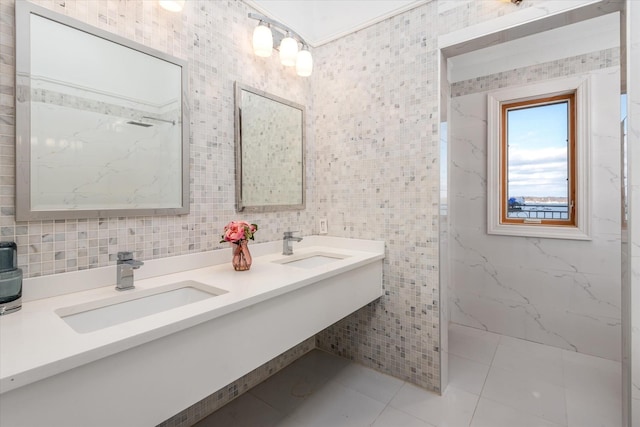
[(538, 157), (537, 170)]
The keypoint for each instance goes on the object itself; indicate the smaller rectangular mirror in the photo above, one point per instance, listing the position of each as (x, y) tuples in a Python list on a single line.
[(270, 152)]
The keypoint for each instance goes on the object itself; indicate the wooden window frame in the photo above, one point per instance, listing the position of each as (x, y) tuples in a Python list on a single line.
[(581, 229), (505, 107)]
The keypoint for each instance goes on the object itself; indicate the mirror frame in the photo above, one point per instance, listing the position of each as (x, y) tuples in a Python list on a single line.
[(240, 206), (23, 11)]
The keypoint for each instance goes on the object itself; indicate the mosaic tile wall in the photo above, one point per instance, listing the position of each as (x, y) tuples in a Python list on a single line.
[(378, 178), (455, 15), (215, 38), (553, 69), (111, 107)]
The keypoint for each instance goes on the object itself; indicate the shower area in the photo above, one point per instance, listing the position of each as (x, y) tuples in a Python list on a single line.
[(565, 294)]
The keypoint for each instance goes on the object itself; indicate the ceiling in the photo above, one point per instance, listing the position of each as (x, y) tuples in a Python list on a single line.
[(321, 21)]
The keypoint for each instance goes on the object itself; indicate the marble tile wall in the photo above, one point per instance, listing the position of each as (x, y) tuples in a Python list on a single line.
[(99, 103), (550, 70), (456, 15), (558, 292), (378, 177), (150, 176), (445, 258)]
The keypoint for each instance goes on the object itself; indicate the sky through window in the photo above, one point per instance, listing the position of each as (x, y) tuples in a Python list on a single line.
[(538, 151)]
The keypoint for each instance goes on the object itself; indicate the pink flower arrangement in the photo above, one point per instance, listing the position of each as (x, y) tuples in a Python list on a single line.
[(236, 231)]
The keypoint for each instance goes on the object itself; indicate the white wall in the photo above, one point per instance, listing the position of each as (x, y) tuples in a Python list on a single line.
[(631, 364), (558, 292)]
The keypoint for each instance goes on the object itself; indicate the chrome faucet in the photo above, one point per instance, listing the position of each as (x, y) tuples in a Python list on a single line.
[(126, 264), (287, 248)]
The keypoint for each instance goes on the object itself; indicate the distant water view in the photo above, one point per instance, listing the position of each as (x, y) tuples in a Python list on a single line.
[(538, 207)]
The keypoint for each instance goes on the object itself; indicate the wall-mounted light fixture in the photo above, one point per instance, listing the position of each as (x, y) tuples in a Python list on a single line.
[(172, 5), (284, 40)]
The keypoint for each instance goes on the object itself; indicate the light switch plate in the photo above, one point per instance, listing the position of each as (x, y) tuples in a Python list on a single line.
[(323, 226)]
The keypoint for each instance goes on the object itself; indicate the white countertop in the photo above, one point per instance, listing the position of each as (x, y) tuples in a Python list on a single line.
[(36, 343)]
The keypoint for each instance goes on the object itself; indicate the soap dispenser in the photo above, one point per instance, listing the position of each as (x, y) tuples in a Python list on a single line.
[(10, 279)]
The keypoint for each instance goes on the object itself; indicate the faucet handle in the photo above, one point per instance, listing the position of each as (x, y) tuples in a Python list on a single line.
[(289, 233), (125, 256)]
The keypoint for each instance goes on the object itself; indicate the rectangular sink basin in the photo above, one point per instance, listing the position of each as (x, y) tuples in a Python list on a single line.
[(312, 260), (95, 315)]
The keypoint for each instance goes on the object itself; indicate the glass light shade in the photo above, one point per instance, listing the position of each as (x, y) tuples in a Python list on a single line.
[(304, 63), (288, 51), (262, 41), (172, 5)]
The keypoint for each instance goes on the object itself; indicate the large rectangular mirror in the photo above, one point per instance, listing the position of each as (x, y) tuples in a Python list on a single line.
[(101, 124), (270, 152)]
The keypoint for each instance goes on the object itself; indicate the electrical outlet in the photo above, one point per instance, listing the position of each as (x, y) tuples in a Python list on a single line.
[(323, 226)]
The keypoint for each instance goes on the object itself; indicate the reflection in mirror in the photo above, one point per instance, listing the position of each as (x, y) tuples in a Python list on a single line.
[(99, 121), (270, 147)]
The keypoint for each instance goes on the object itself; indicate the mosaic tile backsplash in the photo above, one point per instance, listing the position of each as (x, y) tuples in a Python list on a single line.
[(215, 38)]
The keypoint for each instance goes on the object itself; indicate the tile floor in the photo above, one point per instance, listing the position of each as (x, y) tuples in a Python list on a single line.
[(494, 381)]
